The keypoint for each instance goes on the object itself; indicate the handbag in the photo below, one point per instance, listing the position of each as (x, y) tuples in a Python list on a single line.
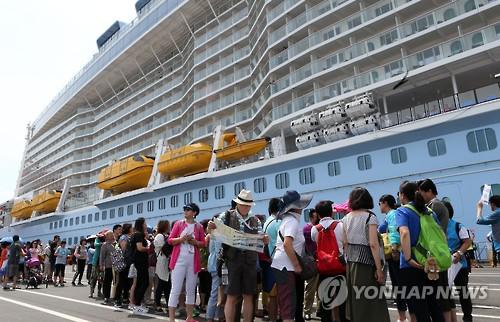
[(306, 261)]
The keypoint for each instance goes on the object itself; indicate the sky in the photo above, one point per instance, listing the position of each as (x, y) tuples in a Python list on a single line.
[(44, 44)]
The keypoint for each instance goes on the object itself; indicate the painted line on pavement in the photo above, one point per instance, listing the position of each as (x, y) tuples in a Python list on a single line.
[(44, 310), (461, 314), (98, 305)]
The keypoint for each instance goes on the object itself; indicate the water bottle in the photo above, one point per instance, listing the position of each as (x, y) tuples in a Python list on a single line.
[(225, 279)]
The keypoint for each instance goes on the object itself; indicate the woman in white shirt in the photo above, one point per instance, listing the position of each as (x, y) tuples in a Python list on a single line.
[(286, 266), (163, 253)]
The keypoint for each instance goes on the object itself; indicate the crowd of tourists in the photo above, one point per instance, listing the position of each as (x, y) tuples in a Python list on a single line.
[(176, 265)]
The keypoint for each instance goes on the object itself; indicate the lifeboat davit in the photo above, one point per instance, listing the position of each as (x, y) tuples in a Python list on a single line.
[(46, 201), (235, 150), (126, 175), (22, 209), (186, 160)]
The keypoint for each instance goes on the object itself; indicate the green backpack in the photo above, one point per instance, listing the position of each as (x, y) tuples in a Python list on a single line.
[(431, 242)]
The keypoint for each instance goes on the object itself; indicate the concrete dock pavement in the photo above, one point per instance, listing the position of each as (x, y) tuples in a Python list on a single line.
[(69, 303)]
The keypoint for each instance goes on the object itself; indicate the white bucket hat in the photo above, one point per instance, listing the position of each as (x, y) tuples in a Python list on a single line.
[(244, 198)]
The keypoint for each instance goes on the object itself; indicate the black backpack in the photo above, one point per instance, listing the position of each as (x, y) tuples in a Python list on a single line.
[(166, 249)]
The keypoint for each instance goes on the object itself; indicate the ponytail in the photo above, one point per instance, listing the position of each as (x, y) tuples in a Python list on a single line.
[(410, 190), (419, 202)]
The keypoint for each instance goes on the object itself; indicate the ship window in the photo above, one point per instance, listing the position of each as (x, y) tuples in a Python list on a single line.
[(398, 155), (383, 9), (219, 192), (60, 223), (104, 215), (436, 147), (83, 219), (456, 47), (449, 14), (70, 241), (306, 175), (203, 195), (130, 210), (282, 180), (161, 203), (111, 213), (174, 201), (96, 216), (120, 212), (77, 220), (65, 222), (477, 40), (139, 208), (51, 225), (354, 22), (260, 185), (151, 205), (89, 218), (469, 5), (71, 221), (364, 162), (238, 187), (334, 168), (188, 198), (481, 140)]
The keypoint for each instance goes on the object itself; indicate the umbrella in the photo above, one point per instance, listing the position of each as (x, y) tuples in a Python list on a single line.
[(6, 240), (10, 240)]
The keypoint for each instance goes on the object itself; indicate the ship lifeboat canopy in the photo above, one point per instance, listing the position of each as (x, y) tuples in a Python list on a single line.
[(22, 209), (238, 150), (337, 132), (186, 160), (365, 124), (46, 201), (359, 107), (308, 140), (304, 124), (333, 115), (127, 174)]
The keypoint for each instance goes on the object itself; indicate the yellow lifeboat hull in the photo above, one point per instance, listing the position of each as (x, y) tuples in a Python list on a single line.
[(46, 201), (126, 175), (22, 209), (186, 160), (242, 150)]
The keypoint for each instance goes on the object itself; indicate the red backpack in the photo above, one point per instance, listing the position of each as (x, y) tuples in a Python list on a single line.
[(328, 259)]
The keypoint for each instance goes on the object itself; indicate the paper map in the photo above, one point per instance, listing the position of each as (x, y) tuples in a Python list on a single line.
[(486, 193), (237, 239)]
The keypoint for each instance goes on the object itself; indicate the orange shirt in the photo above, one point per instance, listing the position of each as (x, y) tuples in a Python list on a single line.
[(4, 256)]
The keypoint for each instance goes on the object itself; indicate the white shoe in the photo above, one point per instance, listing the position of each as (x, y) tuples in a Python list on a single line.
[(140, 310), (131, 307)]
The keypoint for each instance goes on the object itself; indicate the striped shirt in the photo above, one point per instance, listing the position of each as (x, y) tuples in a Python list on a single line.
[(356, 230)]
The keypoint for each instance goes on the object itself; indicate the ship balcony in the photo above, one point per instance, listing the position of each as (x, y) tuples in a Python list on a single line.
[(459, 47), (442, 105)]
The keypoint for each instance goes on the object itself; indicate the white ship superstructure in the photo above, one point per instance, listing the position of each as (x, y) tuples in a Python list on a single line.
[(182, 68)]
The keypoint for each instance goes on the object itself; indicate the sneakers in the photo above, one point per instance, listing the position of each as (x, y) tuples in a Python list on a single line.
[(140, 310)]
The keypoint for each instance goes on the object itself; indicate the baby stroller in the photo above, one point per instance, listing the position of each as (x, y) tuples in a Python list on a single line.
[(35, 277)]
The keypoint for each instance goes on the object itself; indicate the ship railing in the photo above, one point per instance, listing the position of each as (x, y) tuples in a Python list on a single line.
[(442, 105)]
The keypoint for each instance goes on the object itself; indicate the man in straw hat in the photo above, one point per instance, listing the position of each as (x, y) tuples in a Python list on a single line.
[(241, 264)]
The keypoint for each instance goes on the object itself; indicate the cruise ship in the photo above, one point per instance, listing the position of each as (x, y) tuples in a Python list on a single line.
[(194, 100)]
